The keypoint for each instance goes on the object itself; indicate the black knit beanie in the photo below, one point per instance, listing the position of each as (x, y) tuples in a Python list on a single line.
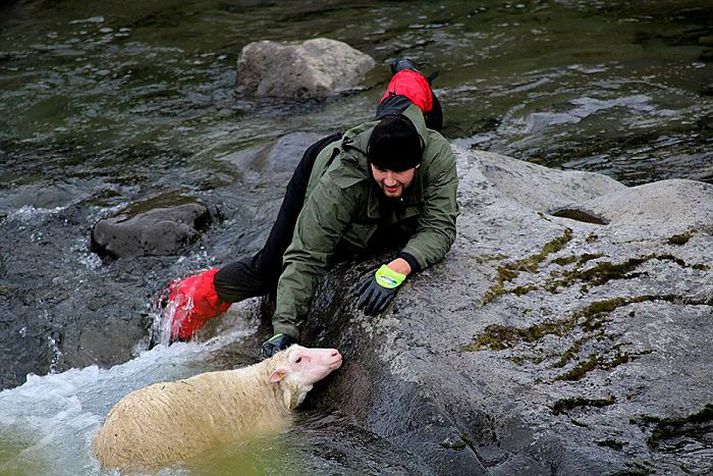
[(394, 144)]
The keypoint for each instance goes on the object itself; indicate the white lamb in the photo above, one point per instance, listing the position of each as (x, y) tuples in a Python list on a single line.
[(173, 421)]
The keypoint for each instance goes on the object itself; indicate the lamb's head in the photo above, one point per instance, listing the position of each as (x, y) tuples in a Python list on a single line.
[(297, 368)]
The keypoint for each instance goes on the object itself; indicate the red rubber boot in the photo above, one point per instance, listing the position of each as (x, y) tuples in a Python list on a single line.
[(193, 301), (414, 86)]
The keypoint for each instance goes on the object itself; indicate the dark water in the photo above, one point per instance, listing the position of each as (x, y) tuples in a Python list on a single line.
[(129, 98), (103, 104)]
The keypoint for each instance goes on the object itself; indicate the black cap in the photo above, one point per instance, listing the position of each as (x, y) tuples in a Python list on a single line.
[(394, 144)]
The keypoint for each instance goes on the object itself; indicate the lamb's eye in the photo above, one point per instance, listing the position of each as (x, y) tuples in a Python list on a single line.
[(299, 359)]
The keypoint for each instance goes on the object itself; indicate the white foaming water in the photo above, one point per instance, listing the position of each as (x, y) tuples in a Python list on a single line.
[(29, 212), (163, 319), (47, 424)]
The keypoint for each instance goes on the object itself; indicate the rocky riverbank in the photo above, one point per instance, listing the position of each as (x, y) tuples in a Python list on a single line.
[(567, 330), (573, 344)]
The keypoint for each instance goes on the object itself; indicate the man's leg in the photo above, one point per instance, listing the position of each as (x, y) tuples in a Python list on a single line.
[(257, 275)]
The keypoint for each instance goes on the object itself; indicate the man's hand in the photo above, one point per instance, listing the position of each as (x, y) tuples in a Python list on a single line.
[(276, 343), (379, 290)]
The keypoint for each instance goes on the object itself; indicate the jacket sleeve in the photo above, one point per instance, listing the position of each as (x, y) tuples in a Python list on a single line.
[(436, 229), (325, 216)]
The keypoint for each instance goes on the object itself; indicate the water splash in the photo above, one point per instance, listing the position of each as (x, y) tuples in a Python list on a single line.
[(163, 312), (47, 425)]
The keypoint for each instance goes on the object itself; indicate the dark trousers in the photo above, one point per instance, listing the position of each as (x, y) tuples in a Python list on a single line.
[(257, 275), (394, 105)]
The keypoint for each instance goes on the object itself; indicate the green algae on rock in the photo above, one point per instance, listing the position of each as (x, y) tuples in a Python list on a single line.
[(564, 405), (509, 271)]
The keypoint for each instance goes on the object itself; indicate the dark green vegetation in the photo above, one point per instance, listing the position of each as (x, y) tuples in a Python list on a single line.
[(597, 275), (499, 337), (590, 318), (593, 362), (681, 239), (510, 271), (676, 431), (567, 404)]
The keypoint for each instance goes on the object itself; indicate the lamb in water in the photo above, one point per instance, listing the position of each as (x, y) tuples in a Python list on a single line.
[(173, 421)]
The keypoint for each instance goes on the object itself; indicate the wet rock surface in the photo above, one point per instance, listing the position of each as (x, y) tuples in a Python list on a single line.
[(54, 322), (541, 344), (314, 68), (166, 225)]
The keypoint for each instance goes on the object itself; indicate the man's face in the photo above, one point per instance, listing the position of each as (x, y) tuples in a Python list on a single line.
[(392, 183)]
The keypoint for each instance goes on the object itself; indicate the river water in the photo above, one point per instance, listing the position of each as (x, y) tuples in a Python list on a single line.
[(103, 104)]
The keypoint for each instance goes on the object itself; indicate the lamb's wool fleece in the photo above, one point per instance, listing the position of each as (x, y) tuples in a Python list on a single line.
[(172, 421)]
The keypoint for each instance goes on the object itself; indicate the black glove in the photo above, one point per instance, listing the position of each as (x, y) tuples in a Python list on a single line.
[(379, 290), (276, 343)]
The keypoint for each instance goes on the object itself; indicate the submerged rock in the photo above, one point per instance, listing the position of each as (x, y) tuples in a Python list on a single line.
[(165, 225), (541, 344), (314, 68)]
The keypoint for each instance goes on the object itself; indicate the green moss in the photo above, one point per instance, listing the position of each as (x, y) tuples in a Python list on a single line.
[(566, 404), (505, 274), (695, 425), (499, 337), (574, 350), (604, 272), (588, 257), (555, 245), (680, 240), (522, 290), (609, 305), (580, 370), (495, 337), (613, 444), (590, 318), (591, 238), (565, 260), (596, 275), (594, 361), (509, 271), (498, 289), (583, 259)]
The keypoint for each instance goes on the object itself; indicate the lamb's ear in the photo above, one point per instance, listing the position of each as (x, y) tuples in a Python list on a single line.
[(278, 375)]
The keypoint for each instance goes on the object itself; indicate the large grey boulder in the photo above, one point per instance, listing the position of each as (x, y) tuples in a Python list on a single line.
[(165, 225), (315, 68), (568, 330)]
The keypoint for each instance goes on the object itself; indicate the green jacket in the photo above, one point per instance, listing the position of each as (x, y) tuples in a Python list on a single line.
[(342, 207)]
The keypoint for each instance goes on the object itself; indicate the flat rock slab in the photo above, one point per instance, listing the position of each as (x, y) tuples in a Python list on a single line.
[(567, 331), (315, 68), (166, 225)]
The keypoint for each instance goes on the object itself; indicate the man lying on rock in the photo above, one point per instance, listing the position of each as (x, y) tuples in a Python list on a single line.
[(389, 183)]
